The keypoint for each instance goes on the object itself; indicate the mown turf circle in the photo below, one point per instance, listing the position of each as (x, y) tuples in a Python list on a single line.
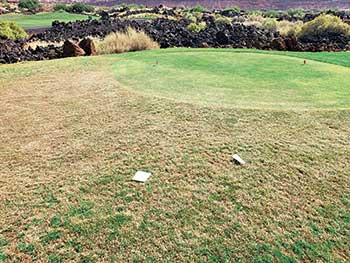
[(236, 79)]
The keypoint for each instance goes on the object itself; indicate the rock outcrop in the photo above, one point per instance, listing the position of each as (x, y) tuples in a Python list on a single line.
[(88, 46), (71, 49)]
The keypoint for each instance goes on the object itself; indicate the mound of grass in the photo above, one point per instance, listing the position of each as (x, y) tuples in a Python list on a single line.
[(121, 42), (247, 80), (41, 19)]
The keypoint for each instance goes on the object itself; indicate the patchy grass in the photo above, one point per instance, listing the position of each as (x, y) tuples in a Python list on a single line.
[(41, 19), (72, 136)]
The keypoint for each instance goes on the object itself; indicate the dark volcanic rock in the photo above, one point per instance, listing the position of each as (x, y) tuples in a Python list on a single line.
[(14, 51), (222, 38), (11, 51)]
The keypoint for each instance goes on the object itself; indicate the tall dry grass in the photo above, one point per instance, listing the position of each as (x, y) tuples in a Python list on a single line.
[(284, 27), (121, 42)]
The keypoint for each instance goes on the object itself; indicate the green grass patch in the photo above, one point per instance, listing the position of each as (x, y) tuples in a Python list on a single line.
[(41, 19), (239, 79)]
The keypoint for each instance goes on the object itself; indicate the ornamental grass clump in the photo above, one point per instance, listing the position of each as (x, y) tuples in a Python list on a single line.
[(120, 42)]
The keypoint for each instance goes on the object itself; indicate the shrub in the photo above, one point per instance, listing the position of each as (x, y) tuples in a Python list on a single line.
[(287, 28), (190, 17), (233, 8), (198, 15), (121, 42), (11, 30), (271, 13), (198, 8), (254, 13), (297, 13), (322, 26), (81, 8), (270, 24), (62, 7), (222, 20), (149, 16), (284, 27), (31, 5), (135, 6), (254, 20), (130, 6), (238, 19), (196, 27)]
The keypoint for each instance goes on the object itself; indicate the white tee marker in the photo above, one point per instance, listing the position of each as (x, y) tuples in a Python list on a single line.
[(237, 159), (141, 176)]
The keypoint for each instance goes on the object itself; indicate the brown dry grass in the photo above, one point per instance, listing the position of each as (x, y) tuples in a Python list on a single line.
[(121, 42), (71, 139)]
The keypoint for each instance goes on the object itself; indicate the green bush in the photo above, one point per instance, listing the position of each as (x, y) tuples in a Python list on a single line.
[(82, 8), (270, 24), (31, 5), (253, 12), (196, 27), (222, 20), (62, 7), (75, 8), (130, 6), (324, 25), (198, 8), (297, 13), (190, 17), (233, 8), (287, 28), (271, 13), (10, 30)]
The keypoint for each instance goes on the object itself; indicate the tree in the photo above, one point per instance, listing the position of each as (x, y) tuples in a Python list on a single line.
[(80, 8), (31, 5)]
